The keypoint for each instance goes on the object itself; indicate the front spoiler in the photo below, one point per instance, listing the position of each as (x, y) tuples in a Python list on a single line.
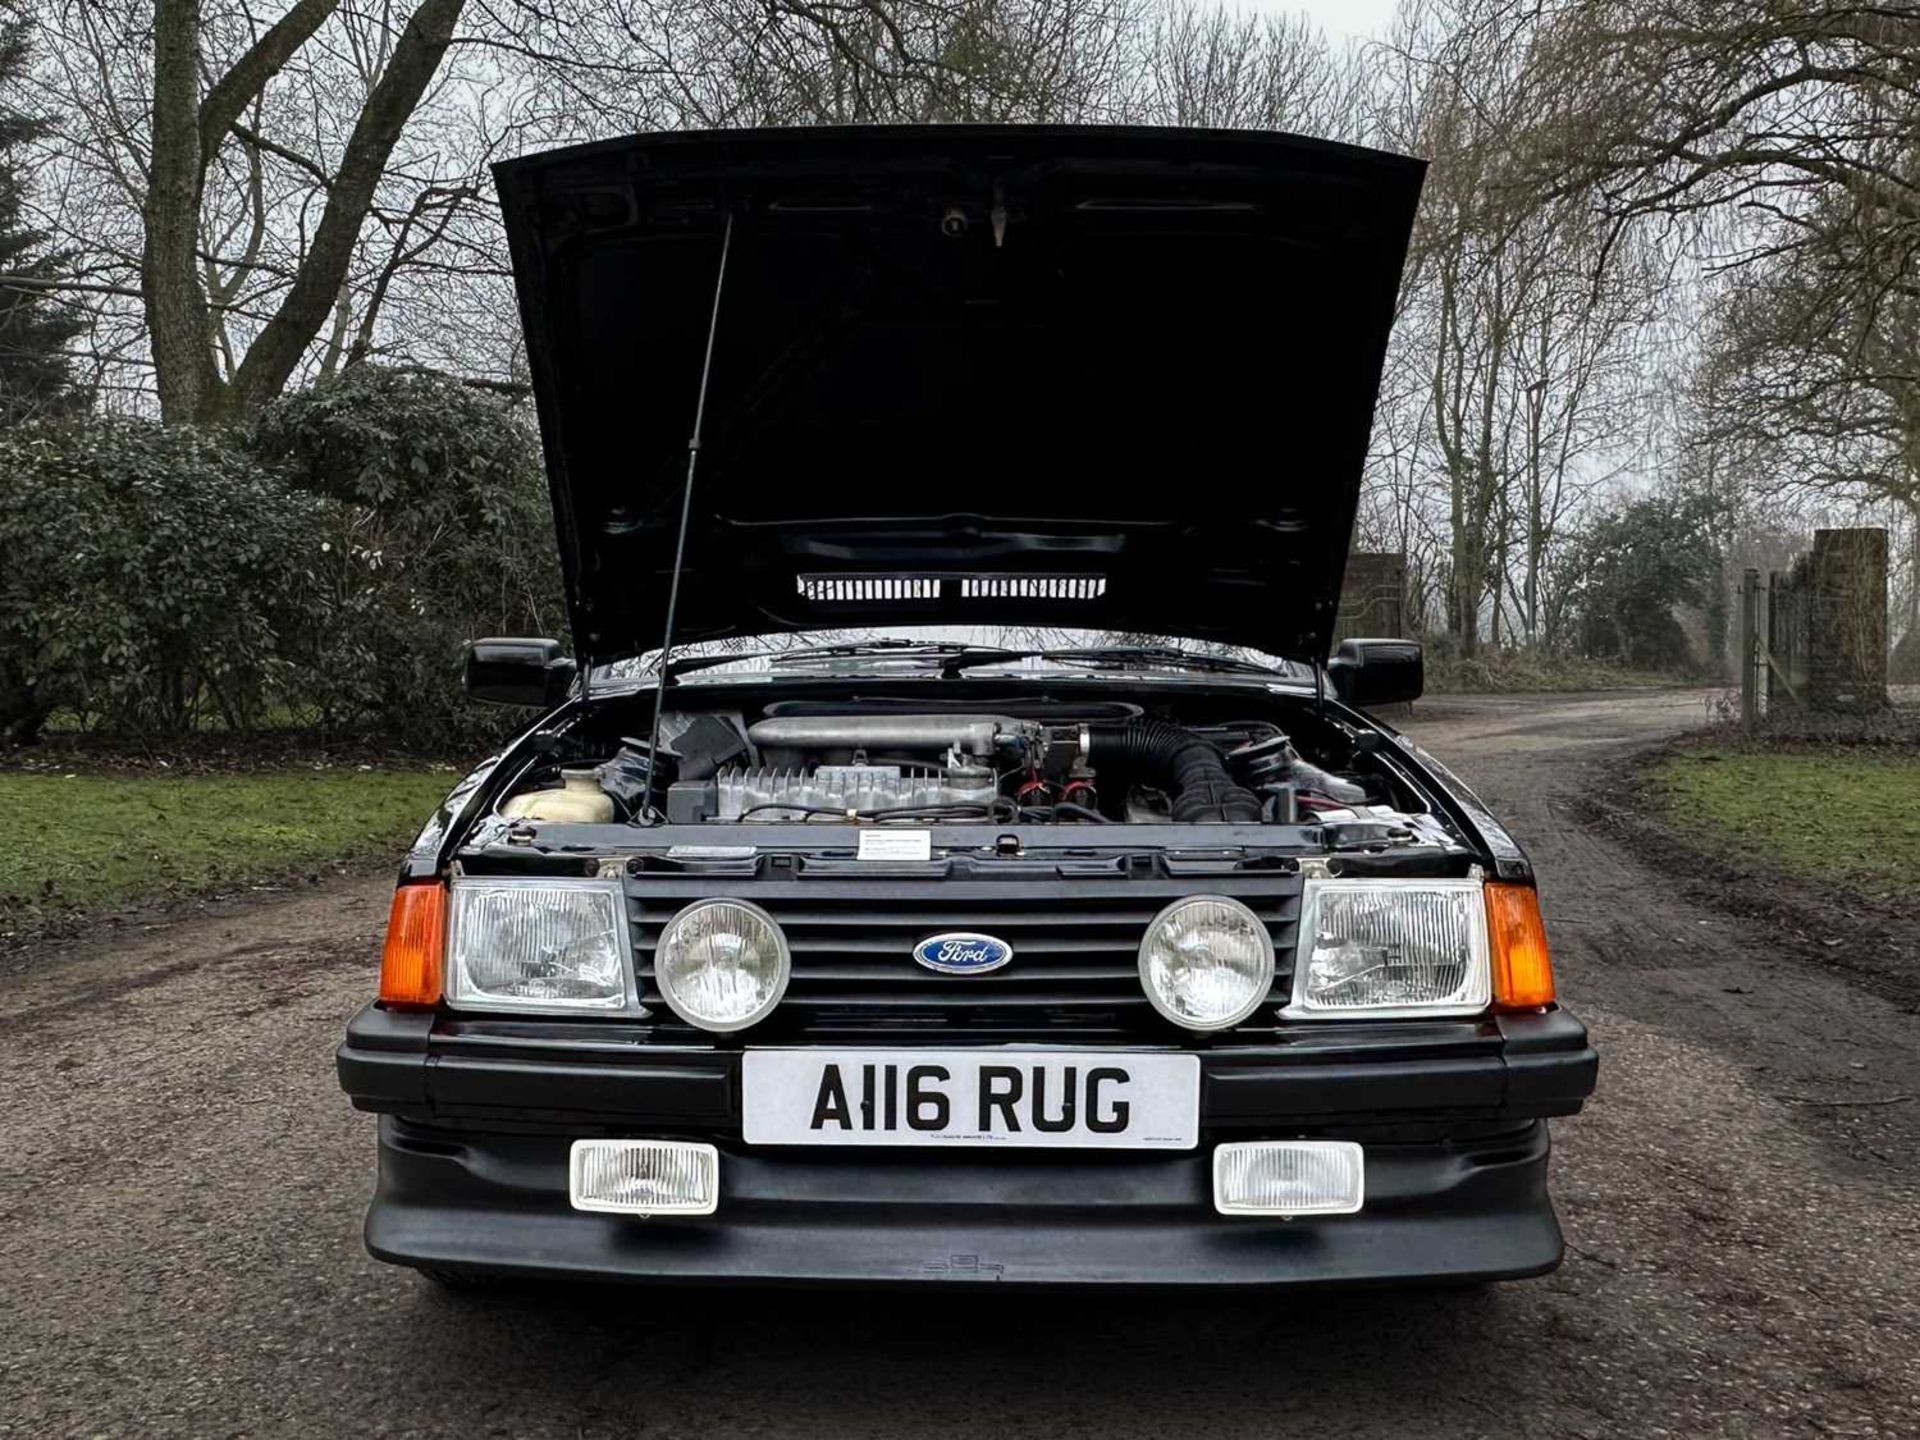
[(1454, 1211), (477, 1116)]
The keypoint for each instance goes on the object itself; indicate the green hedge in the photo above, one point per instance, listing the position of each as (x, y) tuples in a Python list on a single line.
[(321, 567)]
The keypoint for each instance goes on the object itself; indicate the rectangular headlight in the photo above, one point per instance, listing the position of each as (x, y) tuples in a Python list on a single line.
[(538, 946), (1381, 948)]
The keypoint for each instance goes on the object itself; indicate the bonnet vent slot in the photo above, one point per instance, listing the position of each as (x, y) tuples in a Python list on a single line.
[(869, 587), (1033, 587)]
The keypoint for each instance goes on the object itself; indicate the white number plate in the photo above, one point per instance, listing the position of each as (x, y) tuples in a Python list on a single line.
[(1056, 1098)]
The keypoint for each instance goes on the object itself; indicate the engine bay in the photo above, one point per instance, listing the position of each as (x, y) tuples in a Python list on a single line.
[(1027, 760)]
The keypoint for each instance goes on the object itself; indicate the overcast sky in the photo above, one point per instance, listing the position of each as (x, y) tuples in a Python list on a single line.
[(1341, 19)]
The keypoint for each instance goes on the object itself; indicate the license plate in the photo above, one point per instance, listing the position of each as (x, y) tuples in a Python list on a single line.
[(1052, 1098)]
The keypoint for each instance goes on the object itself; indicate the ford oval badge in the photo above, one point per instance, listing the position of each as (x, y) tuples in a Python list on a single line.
[(962, 953)]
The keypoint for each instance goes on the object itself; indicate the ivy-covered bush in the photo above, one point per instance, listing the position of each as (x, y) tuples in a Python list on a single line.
[(321, 568), (440, 531), (150, 579), (1641, 559)]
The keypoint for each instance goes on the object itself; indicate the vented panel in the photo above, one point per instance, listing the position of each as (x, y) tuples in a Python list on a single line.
[(853, 589), (1037, 587), (846, 588)]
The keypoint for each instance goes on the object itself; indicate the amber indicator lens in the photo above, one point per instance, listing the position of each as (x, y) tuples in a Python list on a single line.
[(1522, 968), (416, 936)]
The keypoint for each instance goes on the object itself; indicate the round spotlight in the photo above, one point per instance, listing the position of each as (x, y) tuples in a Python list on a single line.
[(722, 964), (1206, 962)]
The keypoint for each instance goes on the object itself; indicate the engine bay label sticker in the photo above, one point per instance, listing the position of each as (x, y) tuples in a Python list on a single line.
[(896, 844), (1074, 1099)]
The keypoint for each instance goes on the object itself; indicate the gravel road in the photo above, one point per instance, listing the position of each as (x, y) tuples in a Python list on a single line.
[(181, 1186)]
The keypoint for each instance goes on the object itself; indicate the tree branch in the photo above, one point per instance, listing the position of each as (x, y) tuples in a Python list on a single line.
[(229, 97), (254, 139), (56, 282), (410, 69)]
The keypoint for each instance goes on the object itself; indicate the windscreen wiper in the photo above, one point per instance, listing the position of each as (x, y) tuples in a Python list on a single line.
[(1120, 657), (946, 652), (707, 662)]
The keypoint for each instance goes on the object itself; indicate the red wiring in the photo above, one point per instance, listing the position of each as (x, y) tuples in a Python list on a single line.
[(1320, 802)]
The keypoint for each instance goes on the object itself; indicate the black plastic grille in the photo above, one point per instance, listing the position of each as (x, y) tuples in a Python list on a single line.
[(1074, 973)]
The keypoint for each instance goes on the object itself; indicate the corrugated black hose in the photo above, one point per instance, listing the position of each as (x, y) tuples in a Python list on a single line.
[(1189, 769)]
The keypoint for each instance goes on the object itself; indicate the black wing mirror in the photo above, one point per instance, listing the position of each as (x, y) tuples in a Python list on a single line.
[(1377, 672), (507, 670)]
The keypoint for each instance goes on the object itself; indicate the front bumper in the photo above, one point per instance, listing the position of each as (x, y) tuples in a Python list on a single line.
[(477, 1117)]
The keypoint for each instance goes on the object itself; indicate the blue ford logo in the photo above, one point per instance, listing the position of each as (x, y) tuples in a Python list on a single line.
[(962, 953)]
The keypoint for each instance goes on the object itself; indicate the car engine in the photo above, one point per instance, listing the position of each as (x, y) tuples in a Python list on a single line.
[(869, 763), (852, 791)]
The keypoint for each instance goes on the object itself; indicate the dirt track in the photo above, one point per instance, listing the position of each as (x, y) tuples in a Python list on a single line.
[(181, 1184)]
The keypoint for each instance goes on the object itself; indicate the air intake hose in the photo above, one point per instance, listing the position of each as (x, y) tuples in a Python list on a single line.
[(1190, 770)]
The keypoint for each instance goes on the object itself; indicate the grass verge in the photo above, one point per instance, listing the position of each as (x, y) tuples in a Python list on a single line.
[(1851, 818), (82, 844)]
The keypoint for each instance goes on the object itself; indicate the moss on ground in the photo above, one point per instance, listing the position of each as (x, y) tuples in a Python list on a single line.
[(1520, 672), (84, 843), (1851, 818)]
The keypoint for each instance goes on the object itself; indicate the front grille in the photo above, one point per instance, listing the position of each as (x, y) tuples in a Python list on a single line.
[(1074, 975)]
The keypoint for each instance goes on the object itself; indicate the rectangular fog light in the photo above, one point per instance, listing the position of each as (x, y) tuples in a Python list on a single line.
[(1289, 1177), (644, 1177)]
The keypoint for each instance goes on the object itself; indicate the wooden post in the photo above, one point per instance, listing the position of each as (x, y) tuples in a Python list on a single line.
[(1749, 648)]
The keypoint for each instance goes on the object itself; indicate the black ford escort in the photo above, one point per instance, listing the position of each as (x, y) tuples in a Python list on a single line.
[(952, 852)]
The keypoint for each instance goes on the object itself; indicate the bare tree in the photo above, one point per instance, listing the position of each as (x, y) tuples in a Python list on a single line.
[(224, 176), (1517, 346), (1782, 139), (1219, 67), (1683, 108), (191, 121), (1812, 380), (264, 198)]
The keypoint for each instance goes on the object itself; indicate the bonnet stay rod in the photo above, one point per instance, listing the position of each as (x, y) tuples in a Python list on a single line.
[(686, 514)]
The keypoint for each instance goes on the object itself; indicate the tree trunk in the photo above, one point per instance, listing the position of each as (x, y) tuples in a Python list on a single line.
[(176, 307), (1913, 570), (186, 133), (1464, 586)]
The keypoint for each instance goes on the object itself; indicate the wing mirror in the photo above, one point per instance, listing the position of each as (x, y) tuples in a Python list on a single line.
[(506, 670), (1366, 673)]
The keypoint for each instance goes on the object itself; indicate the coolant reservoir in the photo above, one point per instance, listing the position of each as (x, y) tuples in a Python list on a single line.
[(578, 801)]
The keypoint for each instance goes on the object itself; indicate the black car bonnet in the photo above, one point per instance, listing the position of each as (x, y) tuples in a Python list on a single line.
[(1115, 379)]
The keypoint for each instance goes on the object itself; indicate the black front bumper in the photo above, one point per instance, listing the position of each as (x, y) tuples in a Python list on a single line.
[(478, 1117)]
